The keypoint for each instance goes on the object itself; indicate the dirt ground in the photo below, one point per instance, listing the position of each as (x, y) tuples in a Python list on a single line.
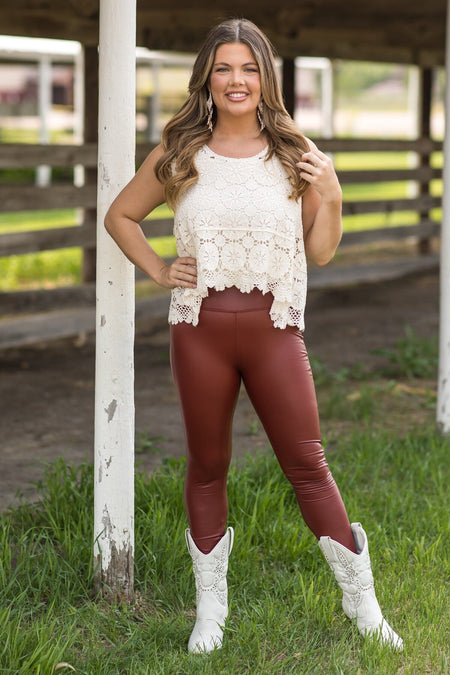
[(47, 392)]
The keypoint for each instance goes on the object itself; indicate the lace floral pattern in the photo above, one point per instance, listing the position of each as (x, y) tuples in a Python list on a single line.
[(239, 224)]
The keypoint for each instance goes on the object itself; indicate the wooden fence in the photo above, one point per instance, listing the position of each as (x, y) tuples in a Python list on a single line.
[(58, 196), (24, 197)]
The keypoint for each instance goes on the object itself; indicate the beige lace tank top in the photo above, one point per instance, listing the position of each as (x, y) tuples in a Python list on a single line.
[(244, 231)]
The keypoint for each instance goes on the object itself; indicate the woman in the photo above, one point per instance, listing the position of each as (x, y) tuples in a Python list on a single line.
[(252, 198)]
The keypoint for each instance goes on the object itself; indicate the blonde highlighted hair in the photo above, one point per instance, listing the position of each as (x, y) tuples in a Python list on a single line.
[(187, 131)]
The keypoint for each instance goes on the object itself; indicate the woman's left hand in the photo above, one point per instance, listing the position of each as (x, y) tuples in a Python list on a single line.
[(317, 168)]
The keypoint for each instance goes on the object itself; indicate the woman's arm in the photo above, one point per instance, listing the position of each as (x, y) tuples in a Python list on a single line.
[(143, 194), (321, 206)]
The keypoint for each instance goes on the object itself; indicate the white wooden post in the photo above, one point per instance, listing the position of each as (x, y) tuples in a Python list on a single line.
[(114, 398), (78, 114), (327, 82), (443, 401), (43, 172)]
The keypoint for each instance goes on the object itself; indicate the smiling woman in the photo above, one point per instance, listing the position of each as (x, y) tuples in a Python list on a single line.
[(252, 198), (187, 132), (235, 88)]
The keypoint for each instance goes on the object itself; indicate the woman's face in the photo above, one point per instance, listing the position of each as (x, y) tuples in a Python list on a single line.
[(235, 82)]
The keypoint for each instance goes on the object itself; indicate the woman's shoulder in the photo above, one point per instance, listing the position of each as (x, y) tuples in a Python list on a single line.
[(152, 158), (311, 144), (156, 153)]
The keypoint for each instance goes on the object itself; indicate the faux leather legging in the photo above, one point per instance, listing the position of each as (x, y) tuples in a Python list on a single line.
[(235, 340)]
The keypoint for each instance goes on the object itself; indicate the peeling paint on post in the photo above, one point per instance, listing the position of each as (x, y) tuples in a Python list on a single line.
[(114, 396), (443, 400)]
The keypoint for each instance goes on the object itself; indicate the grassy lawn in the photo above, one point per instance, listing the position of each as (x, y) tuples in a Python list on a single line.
[(54, 268), (285, 615)]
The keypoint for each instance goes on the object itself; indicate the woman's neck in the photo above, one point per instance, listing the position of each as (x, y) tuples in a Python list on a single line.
[(237, 146), (236, 128), (240, 138)]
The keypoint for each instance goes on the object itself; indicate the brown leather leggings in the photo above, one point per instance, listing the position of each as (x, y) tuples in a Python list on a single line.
[(235, 340)]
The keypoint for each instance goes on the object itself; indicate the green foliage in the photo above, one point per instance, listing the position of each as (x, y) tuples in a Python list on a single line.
[(146, 443), (27, 176), (323, 375), (413, 356), (285, 614), (354, 78), (23, 221), (33, 270), (52, 268), (11, 176)]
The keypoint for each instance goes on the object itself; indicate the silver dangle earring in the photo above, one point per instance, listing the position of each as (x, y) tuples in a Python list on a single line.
[(209, 105), (259, 115)]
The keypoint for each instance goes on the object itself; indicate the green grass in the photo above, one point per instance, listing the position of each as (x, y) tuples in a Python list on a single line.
[(350, 161), (413, 356), (12, 135), (24, 221), (395, 389), (54, 268), (372, 191), (285, 614), (41, 270)]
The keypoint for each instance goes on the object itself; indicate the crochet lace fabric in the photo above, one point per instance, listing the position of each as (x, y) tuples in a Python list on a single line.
[(239, 224)]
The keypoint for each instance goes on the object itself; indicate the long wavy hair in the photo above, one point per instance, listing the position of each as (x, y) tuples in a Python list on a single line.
[(187, 131)]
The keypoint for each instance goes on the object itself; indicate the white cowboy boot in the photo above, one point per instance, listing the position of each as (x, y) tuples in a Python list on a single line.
[(210, 571), (354, 575)]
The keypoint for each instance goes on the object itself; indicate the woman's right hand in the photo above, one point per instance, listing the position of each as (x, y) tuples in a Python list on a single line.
[(182, 272)]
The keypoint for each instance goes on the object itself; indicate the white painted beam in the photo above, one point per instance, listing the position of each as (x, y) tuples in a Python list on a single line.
[(443, 400), (78, 113), (327, 104), (43, 172), (114, 396)]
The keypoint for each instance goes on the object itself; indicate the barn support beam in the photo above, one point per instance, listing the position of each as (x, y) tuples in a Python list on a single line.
[(425, 100), (327, 82), (44, 172), (88, 272), (443, 400), (79, 113), (289, 85), (114, 396)]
